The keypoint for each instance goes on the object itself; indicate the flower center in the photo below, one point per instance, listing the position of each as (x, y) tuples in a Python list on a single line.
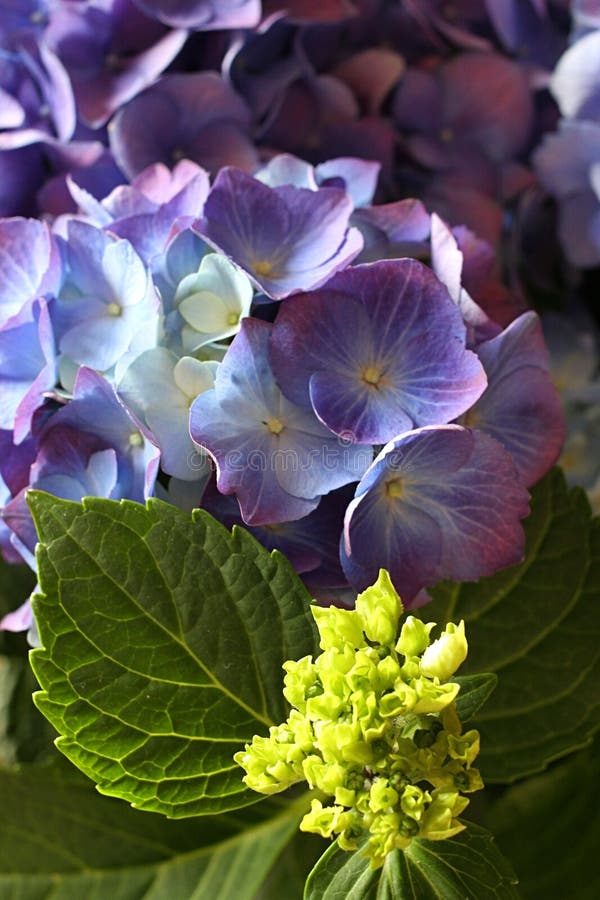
[(274, 425), (114, 309), (394, 488), (447, 135), (263, 267), (372, 376), (136, 439), (233, 319)]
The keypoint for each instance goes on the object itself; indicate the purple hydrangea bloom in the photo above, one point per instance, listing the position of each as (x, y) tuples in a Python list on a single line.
[(450, 119), (111, 51), (106, 307), (96, 410), (288, 239), (440, 502), (70, 464), (378, 351), (30, 264), (147, 211), (447, 261), (358, 177), (526, 28), (277, 457), (568, 165), (158, 388), (27, 366), (393, 229), (195, 116), (311, 544), (204, 15), (36, 96), (520, 407)]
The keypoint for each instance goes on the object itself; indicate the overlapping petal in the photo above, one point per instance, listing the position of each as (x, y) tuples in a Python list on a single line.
[(380, 350), (520, 407), (439, 502), (276, 456), (288, 239)]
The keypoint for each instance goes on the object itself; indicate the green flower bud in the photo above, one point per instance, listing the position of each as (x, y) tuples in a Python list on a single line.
[(414, 637), (442, 658), (382, 796), (379, 608), (344, 797), (321, 819), (432, 697), (382, 739), (299, 678), (464, 748), (413, 801), (338, 627), (325, 777)]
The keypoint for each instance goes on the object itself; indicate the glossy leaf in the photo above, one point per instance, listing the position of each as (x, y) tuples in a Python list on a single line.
[(60, 840), (550, 828), (163, 640), (537, 627), (467, 865), (474, 692)]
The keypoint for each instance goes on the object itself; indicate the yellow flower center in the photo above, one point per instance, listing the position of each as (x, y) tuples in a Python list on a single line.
[(394, 488), (263, 267), (114, 309), (447, 135), (274, 425), (372, 376)]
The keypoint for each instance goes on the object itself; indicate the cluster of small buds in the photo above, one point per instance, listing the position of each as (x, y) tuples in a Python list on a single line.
[(373, 726)]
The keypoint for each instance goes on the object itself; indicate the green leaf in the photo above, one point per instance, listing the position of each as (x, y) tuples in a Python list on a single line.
[(164, 638), (550, 828), (59, 839), (290, 870), (537, 626), (468, 865), (474, 691)]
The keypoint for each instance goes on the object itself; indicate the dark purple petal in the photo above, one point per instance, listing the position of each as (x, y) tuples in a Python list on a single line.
[(181, 116), (520, 406), (288, 239), (441, 502), (111, 52)]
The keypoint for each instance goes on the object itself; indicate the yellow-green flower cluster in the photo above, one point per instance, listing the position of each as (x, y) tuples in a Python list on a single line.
[(374, 726)]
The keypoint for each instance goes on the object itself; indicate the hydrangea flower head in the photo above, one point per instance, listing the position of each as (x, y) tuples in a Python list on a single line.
[(374, 727)]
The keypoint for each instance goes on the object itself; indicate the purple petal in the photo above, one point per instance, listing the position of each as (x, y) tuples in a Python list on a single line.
[(437, 503), (277, 457), (576, 79), (288, 239), (520, 406), (378, 351), (203, 15)]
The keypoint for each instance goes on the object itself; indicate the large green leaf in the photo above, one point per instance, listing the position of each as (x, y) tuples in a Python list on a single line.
[(163, 641), (537, 626), (550, 828), (59, 839), (468, 865)]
